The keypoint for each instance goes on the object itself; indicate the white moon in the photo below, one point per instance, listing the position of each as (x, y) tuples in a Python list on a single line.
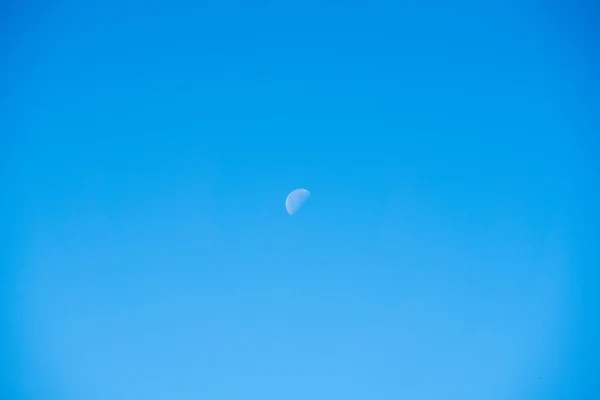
[(295, 200)]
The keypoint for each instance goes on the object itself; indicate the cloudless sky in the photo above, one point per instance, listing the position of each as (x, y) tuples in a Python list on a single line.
[(449, 249)]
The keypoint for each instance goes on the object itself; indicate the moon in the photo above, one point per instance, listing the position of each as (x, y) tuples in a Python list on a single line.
[(295, 200)]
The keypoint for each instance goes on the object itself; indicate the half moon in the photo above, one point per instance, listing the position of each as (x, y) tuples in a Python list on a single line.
[(295, 200)]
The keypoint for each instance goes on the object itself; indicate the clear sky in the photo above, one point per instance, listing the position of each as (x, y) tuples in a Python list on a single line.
[(449, 249)]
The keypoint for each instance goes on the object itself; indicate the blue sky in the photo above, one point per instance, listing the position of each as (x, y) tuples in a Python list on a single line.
[(448, 249)]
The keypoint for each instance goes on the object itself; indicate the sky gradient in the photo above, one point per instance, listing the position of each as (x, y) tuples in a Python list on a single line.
[(449, 248)]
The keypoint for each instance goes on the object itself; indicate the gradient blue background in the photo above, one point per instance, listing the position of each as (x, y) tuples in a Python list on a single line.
[(449, 249)]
